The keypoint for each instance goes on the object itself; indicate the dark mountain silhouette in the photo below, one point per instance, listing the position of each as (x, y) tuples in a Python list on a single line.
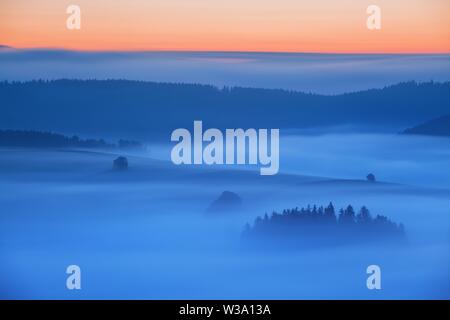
[(38, 139), (436, 127), (227, 202), (322, 226), (151, 110)]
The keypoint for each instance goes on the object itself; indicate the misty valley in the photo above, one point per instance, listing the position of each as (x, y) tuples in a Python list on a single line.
[(180, 232), (361, 190)]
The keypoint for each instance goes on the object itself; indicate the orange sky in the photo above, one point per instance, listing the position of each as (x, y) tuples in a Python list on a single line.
[(229, 25)]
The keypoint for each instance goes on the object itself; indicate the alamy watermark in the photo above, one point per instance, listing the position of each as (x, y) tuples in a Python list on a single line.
[(374, 19), (374, 279), (73, 21), (73, 281), (236, 146)]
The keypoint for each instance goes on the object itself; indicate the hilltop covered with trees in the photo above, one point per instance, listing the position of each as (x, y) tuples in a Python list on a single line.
[(323, 226), (148, 110), (435, 127)]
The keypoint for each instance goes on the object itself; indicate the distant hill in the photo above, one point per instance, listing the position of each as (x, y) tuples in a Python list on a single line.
[(227, 202), (37, 139), (436, 127), (145, 110)]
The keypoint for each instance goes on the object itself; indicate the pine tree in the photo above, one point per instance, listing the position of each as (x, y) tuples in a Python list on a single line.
[(364, 216)]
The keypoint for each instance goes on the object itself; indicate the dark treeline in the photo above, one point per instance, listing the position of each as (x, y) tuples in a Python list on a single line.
[(316, 226), (146, 110), (40, 139)]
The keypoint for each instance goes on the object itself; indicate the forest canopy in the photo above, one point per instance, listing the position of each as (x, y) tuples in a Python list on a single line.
[(319, 225)]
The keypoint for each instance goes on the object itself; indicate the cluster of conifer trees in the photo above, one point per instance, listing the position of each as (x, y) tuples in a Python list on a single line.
[(326, 223)]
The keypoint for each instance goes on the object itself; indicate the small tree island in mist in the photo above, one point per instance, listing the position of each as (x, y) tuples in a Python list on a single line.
[(320, 226)]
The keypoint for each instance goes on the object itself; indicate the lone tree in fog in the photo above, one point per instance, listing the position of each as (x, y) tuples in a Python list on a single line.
[(120, 163), (371, 177)]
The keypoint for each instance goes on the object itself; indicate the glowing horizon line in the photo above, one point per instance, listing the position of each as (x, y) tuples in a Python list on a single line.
[(175, 50)]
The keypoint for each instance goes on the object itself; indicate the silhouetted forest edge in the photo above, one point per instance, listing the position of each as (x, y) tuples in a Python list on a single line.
[(323, 226), (145, 110), (42, 139)]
